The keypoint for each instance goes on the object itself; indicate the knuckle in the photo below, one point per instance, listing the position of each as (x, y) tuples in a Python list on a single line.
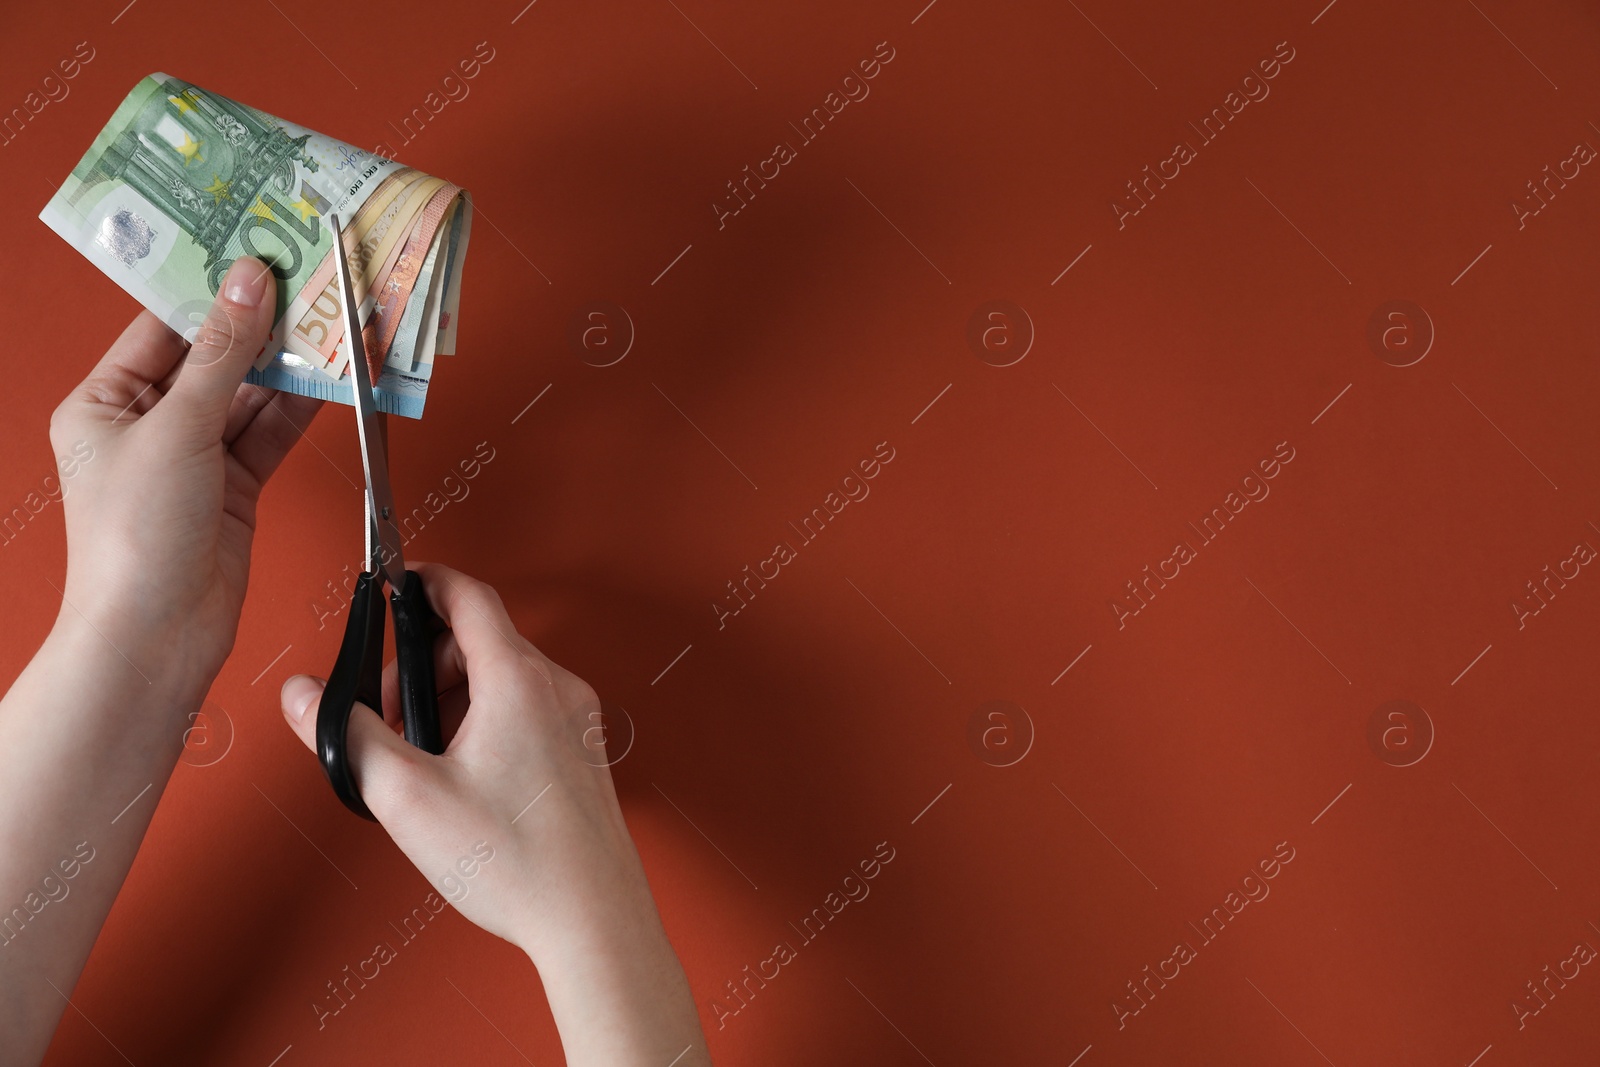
[(579, 693), (60, 421), (214, 337), (518, 668), (484, 595), (517, 674), (538, 671)]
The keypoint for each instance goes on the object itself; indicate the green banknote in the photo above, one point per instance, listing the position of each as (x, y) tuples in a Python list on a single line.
[(181, 182)]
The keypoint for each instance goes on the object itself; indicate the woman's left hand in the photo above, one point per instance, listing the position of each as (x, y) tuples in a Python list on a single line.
[(168, 454)]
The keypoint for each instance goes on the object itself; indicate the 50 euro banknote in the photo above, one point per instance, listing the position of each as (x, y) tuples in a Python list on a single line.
[(181, 182)]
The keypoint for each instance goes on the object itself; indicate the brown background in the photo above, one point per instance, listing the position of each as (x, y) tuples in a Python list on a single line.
[(1174, 755)]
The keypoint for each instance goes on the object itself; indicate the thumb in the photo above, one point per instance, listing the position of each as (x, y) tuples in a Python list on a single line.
[(234, 331), (385, 766)]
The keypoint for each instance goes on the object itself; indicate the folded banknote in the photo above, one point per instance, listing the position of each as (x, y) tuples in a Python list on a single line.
[(181, 182)]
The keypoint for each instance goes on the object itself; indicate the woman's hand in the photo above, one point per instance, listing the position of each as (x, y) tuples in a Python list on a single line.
[(160, 514), (518, 825), (164, 455)]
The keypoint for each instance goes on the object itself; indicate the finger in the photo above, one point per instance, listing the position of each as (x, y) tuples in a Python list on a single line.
[(277, 425), (299, 699), (449, 665), (246, 403), (386, 768), (477, 616), (391, 693), (449, 671), (453, 707), (234, 331), (120, 385), (164, 386)]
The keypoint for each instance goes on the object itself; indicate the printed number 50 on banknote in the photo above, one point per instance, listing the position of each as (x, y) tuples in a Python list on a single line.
[(181, 182)]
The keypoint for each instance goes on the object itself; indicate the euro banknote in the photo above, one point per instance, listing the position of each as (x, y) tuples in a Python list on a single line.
[(181, 182)]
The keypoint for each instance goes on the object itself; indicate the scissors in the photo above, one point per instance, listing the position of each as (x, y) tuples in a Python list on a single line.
[(358, 671)]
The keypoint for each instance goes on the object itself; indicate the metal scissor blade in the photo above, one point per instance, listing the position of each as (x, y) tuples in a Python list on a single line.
[(383, 537)]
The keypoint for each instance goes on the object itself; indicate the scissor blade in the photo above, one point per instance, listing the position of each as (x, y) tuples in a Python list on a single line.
[(374, 456)]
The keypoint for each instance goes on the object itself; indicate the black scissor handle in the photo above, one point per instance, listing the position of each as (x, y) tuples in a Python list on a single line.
[(414, 623), (357, 675)]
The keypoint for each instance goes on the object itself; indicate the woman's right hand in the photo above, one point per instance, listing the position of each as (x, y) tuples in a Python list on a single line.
[(517, 824)]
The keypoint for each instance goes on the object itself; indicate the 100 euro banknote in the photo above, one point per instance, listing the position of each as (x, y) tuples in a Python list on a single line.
[(181, 182)]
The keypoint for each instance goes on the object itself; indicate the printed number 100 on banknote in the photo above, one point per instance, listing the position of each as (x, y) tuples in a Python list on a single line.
[(181, 182)]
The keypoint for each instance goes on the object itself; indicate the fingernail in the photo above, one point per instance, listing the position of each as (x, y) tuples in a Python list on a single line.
[(299, 693), (246, 282)]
